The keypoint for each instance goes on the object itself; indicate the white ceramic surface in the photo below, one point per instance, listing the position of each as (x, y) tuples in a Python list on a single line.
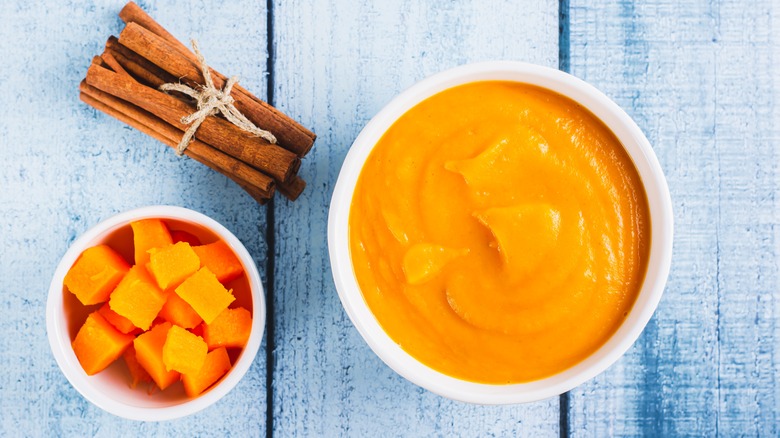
[(109, 389), (638, 148)]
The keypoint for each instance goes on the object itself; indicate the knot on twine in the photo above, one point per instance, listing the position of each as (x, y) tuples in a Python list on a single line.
[(211, 101)]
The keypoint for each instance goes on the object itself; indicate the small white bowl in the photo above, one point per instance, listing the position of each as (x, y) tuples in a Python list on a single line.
[(646, 163), (109, 389)]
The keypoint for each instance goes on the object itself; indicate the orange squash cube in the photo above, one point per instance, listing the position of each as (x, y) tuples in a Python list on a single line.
[(215, 366), (98, 344), (205, 294), (171, 264), (220, 259), (149, 234), (119, 322), (95, 274), (138, 298), (149, 352), (178, 312), (137, 372), (183, 351), (229, 329)]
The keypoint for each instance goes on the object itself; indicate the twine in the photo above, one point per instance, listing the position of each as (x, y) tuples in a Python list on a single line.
[(211, 101)]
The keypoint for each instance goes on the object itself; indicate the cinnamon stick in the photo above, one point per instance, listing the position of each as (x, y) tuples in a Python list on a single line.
[(167, 56), (132, 13), (293, 188), (138, 67), (198, 150), (257, 194), (123, 82), (271, 159), (109, 60), (97, 60)]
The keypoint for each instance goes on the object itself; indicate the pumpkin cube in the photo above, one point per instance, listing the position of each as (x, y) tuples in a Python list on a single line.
[(205, 294), (171, 264), (230, 328), (183, 351), (215, 366), (119, 322), (98, 344), (149, 234), (95, 274), (220, 259), (149, 352), (138, 298), (178, 312), (137, 372)]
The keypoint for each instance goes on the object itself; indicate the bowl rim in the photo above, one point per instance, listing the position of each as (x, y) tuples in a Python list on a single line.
[(59, 338), (659, 200)]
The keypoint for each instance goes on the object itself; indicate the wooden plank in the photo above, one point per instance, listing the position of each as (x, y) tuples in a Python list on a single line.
[(336, 64), (701, 79), (66, 167)]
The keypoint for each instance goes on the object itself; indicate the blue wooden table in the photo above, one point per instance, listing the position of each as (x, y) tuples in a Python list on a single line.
[(699, 76)]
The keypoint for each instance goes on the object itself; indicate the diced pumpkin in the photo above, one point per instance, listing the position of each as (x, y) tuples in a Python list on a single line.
[(149, 234), (205, 294), (172, 264), (183, 236), (138, 298), (95, 274), (183, 351), (119, 322), (229, 329), (178, 312), (137, 373), (215, 366), (149, 352), (98, 344), (220, 259)]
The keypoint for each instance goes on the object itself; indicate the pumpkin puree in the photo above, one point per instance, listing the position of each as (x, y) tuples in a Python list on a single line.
[(499, 232)]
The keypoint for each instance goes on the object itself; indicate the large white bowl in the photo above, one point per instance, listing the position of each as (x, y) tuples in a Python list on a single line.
[(109, 389), (646, 163)]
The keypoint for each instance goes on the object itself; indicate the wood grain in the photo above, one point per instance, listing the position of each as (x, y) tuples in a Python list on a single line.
[(701, 79), (336, 64), (77, 167), (699, 76)]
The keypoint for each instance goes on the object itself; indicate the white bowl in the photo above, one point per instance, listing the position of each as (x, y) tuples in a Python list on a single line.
[(109, 389), (659, 201)]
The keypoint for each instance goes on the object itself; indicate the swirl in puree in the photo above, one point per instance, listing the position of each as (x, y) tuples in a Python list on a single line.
[(499, 232)]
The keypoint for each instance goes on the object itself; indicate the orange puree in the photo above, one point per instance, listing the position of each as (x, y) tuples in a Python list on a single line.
[(499, 232)]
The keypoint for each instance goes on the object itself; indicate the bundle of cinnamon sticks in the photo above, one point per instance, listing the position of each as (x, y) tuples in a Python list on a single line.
[(123, 82)]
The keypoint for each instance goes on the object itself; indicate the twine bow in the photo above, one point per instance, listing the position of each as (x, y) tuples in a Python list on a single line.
[(210, 101)]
